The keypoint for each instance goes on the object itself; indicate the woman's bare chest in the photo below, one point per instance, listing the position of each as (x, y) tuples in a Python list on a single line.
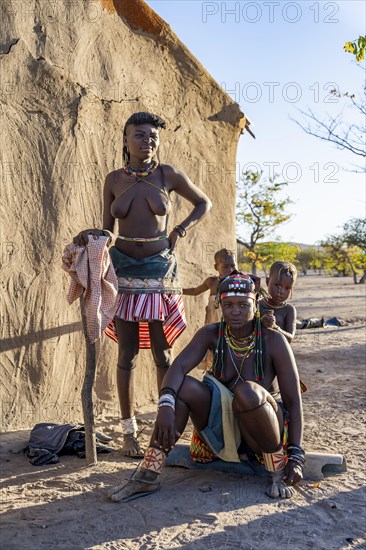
[(139, 196)]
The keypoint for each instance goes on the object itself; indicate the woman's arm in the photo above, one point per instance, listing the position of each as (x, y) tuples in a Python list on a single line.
[(284, 365), (289, 384), (165, 430), (189, 357), (182, 185), (108, 197)]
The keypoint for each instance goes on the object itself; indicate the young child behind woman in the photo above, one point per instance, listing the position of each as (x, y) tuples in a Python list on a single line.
[(224, 264), (276, 313)]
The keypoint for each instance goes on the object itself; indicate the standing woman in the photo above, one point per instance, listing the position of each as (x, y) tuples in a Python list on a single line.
[(150, 312)]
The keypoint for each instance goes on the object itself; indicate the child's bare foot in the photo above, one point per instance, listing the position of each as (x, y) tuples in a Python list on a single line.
[(142, 484), (131, 447)]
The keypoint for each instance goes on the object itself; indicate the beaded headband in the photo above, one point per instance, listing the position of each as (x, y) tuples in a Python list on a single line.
[(237, 284)]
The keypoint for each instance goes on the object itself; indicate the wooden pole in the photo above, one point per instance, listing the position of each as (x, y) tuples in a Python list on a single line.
[(87, 393)]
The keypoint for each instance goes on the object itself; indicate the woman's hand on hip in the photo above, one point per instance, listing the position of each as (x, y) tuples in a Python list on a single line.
[(173, 238), (82, 238)]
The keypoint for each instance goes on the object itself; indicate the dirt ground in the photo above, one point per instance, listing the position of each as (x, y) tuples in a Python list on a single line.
[(64, 506)]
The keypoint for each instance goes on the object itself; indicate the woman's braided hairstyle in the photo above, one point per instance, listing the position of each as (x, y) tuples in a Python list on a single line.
[(142, 117)]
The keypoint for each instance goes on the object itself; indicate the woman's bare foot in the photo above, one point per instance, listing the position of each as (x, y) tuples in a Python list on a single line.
[(278, 488), (142, 484), (131, 447)]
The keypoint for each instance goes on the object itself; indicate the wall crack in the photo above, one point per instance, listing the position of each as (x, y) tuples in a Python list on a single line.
[(5, 48)]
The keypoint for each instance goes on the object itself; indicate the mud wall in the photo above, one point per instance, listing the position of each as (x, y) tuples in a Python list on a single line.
[(70, 75)]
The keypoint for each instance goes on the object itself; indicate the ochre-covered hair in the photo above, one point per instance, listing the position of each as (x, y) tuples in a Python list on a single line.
[(222, 254), (142, 117), (281, 267)]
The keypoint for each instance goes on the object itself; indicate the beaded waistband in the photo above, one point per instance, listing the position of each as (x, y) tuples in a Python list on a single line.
[(142, 239)]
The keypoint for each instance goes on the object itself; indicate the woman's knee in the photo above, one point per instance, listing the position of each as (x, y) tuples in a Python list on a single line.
[(162, 358), (127, 358), (248, 396), (161, 352), (193, 390)]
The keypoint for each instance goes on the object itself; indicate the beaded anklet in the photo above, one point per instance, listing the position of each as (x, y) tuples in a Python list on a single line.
[(154, 460)]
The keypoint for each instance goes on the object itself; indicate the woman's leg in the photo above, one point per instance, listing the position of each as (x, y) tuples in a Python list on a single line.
[(162, 353), (194, 400), (261, 424), (128, 348)]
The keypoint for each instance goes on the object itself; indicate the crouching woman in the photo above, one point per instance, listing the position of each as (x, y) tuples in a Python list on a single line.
[(248, 403)]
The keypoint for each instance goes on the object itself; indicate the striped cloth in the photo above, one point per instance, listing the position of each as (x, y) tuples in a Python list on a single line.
[(149, 290), (92, 275), (167, 308)]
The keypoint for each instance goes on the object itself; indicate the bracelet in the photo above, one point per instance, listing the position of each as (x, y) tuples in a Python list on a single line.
[(180, 230), (109, 234), (299, 461), (166, 399), (295, 448), (167, 390), (166, 405), (296, 454)]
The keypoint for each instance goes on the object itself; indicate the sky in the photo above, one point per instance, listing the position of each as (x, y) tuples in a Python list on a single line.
[(277, 58)]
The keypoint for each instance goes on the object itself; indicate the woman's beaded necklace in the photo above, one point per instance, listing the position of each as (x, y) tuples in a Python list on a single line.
[(150, 169), (239, 345), (218, 365), (240, 348)]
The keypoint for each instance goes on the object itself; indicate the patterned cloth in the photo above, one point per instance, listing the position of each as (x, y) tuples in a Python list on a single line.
[(221, 435), (149, 290), (199, 451), (93, 276)]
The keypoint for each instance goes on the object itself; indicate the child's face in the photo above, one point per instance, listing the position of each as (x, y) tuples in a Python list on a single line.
[(280, 288), (225, 266)]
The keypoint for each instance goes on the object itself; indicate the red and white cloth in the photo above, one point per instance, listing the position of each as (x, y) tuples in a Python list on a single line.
[(168, 308), (93, 276)]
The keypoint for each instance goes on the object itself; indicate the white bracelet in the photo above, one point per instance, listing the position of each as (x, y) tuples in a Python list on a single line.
[(167, 398), (111, 235), (166, 404)]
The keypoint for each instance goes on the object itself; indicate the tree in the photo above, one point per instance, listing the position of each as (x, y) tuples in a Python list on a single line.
[(260, 208), (347, 251), (265, 254), (357, 48), (335, 129), (337, 257), (307, 258), (354, 233)]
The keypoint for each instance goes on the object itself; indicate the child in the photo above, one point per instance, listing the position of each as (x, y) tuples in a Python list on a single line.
[(224, 263), (276, 313)]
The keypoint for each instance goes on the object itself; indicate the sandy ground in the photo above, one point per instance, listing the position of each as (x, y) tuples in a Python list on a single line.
[(64, 506)]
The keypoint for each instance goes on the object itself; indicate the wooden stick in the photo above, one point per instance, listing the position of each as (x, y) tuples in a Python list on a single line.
[(87, 393)]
